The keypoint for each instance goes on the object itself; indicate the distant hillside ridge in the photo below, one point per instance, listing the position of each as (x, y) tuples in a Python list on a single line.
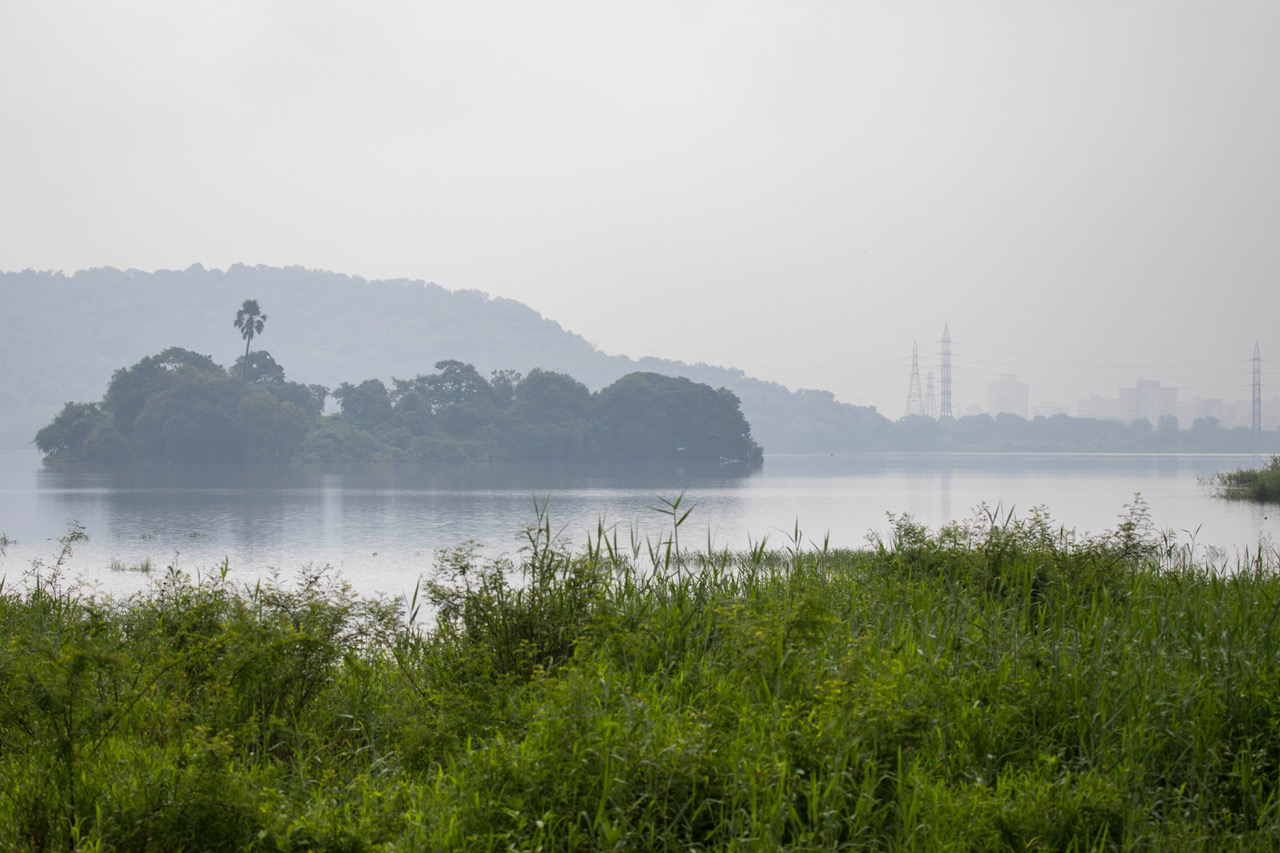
[(329, 328)]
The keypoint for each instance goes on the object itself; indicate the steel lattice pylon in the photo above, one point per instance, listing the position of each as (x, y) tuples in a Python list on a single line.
[(915, 399), (1257, 392), (945, 410)]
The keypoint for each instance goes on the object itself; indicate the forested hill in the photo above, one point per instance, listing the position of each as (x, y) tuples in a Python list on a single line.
[(68, 333)]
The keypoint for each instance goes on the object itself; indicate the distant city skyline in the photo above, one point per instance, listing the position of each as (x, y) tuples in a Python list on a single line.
[(1149, 398)]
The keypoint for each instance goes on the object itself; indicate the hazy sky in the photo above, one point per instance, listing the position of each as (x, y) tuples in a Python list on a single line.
[(1087, 192)]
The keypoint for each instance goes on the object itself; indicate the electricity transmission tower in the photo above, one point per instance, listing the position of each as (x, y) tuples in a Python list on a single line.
[(915, 400), (930, 398), (1257, 392), (945, 411)]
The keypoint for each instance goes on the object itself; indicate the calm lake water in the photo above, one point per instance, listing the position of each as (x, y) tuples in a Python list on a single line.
[(381, 528)]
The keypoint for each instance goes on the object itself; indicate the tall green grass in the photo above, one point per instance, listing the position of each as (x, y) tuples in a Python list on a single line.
[(1001, 684), (1258, 484)]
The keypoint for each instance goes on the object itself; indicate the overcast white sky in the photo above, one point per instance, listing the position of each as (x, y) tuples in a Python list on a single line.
[(1087, 192)]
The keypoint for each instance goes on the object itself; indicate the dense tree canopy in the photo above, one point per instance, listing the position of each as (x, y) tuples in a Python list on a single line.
[(180, 406), (257, 367), (650, 416), (456, 415)]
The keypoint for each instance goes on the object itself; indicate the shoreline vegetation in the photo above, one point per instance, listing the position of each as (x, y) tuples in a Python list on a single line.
[(1253, 484), (999, 684)]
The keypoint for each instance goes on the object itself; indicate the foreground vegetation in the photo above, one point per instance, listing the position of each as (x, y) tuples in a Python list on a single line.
[(1256, 484), (997, 685)]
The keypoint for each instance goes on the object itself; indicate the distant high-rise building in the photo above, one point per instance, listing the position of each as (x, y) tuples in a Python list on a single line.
[(1148, 400), (1200, 408), (1099, 408), (1008, 396)]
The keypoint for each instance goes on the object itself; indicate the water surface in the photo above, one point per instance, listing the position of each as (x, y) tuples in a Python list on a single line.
[(381, 527)]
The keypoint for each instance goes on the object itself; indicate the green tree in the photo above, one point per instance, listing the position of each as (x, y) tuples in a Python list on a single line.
[(459, 400), (367, 404), (269, 429), (414, 412), (65, 438), (917, 432), (258, 367), (309, 398), (1167, 429), (648, 417), (545, 396), (553, 417), (130, 388), (192, 419), (504, 384), (457, 383), (249, 320)]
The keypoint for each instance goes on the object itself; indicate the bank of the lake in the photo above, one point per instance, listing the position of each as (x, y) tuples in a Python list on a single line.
[(992, 687)]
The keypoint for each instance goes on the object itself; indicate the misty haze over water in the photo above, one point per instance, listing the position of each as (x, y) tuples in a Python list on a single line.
[(380, 528)]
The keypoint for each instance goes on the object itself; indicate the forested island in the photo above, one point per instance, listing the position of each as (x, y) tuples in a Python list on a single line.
[(181, 406)]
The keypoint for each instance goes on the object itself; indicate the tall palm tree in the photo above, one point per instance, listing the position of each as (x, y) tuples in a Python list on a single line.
[(249, 320)]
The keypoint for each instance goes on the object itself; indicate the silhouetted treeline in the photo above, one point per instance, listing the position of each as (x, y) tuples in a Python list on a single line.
[(1065, 434), (180, 406)]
